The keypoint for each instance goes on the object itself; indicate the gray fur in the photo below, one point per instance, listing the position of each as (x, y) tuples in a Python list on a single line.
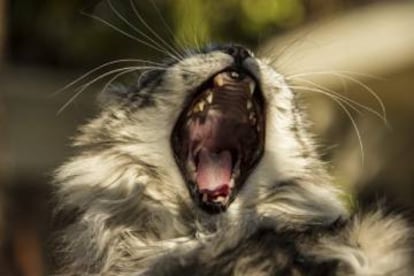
[(135, 215)]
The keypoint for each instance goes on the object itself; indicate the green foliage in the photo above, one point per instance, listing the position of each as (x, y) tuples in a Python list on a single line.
[(198, 21), (261, 14), (55, 31)]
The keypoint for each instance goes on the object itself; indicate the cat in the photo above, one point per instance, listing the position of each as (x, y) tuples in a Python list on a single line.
[(206, 166)]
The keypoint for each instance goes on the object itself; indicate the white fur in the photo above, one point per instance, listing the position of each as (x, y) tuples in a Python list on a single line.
[(373, 244)]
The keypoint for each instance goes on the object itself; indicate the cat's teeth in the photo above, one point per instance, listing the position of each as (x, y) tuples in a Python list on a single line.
[(252, 118), (221, 199), (209, 97), (234, 75), (199, 107), (249, 104), (252, 86), (219, 81)]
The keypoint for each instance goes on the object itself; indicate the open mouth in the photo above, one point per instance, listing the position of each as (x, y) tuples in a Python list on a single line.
[(219, 138)]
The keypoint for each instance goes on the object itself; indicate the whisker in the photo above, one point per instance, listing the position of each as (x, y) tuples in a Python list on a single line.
[(197, 42), (90, 72), (336, 72), (357, 132), (123, 19), (167, 27), (371, 91), (382, 117), (343, 75), (120, 69), (141, 19), (317, 90), (351, 118), (102, 76), (97, 18), (284, 56), (283, 51)]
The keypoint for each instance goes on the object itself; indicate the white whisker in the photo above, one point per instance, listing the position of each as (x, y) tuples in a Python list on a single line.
[(160, 50), (123, 19), (90, 72), (141, 19), (336, 73), (344, 76), (319, 91), (342, 104), (350, 101), (167, 27), (82, 88)]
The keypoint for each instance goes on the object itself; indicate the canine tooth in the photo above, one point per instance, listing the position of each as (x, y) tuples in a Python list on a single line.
[(249, 104), (218, 80), (201, 106), (252, 86), (210, 98)]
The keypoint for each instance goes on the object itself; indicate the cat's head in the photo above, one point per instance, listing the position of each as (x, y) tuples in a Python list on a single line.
[(216, 128)]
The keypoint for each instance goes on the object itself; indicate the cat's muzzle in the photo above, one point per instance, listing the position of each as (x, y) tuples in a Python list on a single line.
[(219, 137)]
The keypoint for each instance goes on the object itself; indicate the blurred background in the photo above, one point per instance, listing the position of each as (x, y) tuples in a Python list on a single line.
[(341, 55)]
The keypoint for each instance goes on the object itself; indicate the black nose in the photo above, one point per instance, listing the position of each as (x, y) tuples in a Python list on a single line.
[(239, 53)]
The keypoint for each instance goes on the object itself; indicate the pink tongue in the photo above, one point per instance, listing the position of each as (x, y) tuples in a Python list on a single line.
[(213, 170)]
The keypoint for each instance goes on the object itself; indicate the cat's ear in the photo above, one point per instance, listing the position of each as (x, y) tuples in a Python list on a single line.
[(114, 95), (131, 97)]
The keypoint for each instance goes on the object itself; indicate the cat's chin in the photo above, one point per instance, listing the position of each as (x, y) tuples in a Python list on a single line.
[(219, 137)]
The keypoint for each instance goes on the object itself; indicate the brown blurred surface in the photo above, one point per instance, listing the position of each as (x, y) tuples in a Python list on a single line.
[(372, 47), (37, 139), (3, 27)]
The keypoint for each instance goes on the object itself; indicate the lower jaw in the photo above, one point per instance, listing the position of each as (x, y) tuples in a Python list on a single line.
[(222, 198), (214, 208)]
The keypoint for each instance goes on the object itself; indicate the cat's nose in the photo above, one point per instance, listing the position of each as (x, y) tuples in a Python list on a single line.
[(239, 53)]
